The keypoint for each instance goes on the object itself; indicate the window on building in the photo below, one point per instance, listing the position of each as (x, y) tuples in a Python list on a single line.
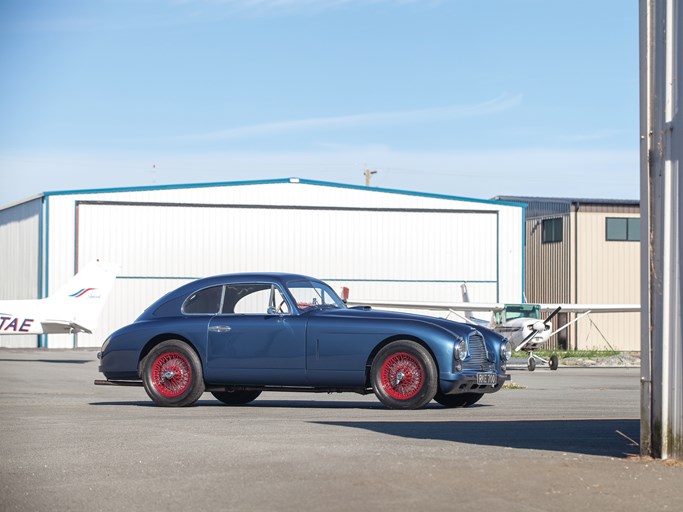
[(622, 229), (552, 230)]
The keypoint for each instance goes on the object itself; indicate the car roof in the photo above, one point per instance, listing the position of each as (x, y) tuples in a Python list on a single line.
[(181, 292), (278, 277)]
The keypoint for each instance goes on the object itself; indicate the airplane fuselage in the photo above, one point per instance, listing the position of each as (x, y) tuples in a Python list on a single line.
[(519, 329), (16, 325), (73, 308), (30, 316)]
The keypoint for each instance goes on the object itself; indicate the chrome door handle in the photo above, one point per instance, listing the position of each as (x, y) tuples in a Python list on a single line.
[(219, 328)]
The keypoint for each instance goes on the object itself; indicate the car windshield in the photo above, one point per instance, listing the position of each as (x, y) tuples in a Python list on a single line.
[(311, 294)]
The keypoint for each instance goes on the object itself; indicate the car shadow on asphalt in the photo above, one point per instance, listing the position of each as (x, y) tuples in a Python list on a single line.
[(283, 404), (602, 437), (63, 361), (276, 404)]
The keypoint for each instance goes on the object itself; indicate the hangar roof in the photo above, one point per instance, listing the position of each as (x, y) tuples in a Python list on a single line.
[(268, 182)]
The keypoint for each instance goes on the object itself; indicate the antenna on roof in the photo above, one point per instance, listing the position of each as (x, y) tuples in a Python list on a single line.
[(368, 174)]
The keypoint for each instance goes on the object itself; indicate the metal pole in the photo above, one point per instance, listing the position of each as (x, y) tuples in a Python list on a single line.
[(661, 64)]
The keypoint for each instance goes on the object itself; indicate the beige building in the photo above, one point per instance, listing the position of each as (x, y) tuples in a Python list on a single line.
[(585, 251)]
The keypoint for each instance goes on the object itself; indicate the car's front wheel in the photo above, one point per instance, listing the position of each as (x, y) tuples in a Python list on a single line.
[(404, 375), (172, 374), (460, 400), (236, 397)]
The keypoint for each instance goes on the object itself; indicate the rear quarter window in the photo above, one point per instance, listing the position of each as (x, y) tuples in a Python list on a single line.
[(204, 302)]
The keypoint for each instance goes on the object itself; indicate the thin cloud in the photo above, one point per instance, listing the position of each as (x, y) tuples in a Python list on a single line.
[(496, 105)]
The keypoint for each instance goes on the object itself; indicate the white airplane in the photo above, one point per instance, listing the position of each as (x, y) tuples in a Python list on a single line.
[(74, 308), (521, 323)]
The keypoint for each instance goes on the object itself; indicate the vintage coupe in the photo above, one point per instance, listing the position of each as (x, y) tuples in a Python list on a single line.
[(238, 335)]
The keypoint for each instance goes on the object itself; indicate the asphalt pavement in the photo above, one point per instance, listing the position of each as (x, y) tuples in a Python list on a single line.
[(562, 440)]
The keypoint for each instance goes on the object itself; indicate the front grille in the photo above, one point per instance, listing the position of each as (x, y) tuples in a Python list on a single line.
[(477, 358)]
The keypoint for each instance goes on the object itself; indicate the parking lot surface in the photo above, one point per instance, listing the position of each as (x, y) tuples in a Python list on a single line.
[(564, 440)]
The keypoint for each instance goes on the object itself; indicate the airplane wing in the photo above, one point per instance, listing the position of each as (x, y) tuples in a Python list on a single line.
[(593, 308), (431, 306), (494, 306)]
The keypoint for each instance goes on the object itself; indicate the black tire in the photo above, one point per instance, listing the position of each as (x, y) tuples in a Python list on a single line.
[(554, 362), (461, 400), (236, 397), (531, 364), (404, 375), (172, 374)]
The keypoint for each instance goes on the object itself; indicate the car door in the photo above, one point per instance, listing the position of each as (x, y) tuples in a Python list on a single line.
[(255, 339)]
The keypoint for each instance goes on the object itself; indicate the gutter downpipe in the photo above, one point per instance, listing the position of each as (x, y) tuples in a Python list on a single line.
[(576, 268)]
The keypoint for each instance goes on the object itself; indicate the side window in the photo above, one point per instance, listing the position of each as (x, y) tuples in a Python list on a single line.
[(204, 302), (622, 229), (252, 299), (552, 230)]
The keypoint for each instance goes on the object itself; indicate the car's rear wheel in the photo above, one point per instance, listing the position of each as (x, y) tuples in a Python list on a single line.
[(461, 400), (404, 375), (172, 374), (236, 397)]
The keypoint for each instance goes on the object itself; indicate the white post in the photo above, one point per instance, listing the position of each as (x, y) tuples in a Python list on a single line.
[(661, 66)]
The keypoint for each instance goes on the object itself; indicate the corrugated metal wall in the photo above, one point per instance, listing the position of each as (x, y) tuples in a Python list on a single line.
[(20, 259), (608, 272), (399, 254), (547, 265), (585, 268), (382, 244)]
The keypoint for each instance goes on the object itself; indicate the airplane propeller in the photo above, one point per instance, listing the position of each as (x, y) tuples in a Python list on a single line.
[(539, 326)]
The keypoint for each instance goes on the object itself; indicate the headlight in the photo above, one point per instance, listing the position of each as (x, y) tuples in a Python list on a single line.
[(105, 344), (460, 349), (505, 351)]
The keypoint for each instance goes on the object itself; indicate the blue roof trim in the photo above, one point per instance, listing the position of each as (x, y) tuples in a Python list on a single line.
[(283, 180), (410, 193), (144, 188)]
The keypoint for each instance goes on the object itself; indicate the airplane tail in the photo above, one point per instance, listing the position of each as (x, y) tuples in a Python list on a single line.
[(466, 298), (82, 298)]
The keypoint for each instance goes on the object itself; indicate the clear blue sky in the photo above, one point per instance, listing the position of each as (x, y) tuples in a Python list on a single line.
[(459, 97)]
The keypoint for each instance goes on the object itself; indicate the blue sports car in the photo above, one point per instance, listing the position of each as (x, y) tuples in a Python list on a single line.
[(238, 335)]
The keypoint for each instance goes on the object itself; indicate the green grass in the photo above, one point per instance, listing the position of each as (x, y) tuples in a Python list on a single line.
[(512, 385), (586, 354)]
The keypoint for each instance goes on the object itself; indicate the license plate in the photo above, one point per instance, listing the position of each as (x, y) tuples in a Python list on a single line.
[(484, 379)]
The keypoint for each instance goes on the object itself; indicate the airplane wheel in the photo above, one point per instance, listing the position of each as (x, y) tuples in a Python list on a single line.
[(531, 365), (553, 362)]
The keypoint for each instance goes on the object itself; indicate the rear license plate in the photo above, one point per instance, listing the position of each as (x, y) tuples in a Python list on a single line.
[(484, 379)]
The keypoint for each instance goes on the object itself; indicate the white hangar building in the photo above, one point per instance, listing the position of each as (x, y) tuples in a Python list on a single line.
[(382, 244)]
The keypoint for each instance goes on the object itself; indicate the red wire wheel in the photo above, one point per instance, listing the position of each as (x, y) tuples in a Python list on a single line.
[(402, 376), (171, 374)]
